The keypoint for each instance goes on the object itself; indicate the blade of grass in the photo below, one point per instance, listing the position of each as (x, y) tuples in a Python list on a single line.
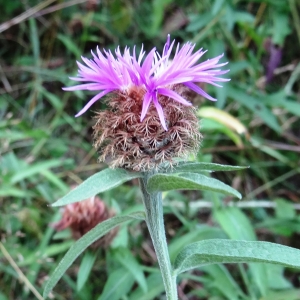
[(24, 16), (22, 277)]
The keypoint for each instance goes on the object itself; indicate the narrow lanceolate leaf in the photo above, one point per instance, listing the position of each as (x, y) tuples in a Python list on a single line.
[(126, 258), (197, 167), (36, 168), (118, 284), (85, 269), (235, 223), (99, 182), (228, 251), (189, 181), (89, 238), (222, 117), (155, 288), (223, 281)]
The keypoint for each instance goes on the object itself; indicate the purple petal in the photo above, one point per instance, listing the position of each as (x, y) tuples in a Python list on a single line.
[(154, 72), (167, 45), (160, 113), (275, 57), (175, 80), (141, 55), (148, 62), (198, 90), (146, 103), (210, 63), (175, 96), (87, 86), (158, 64), (91, 102)]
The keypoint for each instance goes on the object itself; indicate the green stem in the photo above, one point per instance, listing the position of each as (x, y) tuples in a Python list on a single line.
[(155, 224)]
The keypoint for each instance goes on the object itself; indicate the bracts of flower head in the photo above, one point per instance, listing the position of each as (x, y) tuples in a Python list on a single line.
[(81, 217), (149, 120)]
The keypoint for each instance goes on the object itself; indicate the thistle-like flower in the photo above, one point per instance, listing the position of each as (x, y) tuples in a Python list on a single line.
[(149, 118)]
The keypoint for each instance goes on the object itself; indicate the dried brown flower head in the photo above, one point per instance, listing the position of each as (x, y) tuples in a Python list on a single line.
[(127, 142), (83, 216)]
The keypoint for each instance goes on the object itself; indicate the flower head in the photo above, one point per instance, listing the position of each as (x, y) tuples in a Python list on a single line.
[(83, 216), (155, 74), (149, 120), (124, 141)]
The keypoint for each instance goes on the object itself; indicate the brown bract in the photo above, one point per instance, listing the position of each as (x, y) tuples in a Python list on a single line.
[(124, 141)]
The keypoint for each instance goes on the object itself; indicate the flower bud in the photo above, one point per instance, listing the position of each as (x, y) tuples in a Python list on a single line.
[(127, 142), (83, 216)]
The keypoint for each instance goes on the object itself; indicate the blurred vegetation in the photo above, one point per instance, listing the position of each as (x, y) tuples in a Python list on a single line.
[(45, 150)]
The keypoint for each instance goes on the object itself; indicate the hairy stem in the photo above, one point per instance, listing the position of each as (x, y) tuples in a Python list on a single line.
[(155, 224)]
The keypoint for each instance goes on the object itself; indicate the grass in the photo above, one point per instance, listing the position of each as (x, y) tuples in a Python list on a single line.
[(45, 150)]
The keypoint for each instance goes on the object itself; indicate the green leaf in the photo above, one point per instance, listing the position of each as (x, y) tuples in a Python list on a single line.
[(198, 21), (222, 117), (189, 181), (209, 125), (69, 44), (217, 6), (244, 17), (80, 245), (281, 27), (280, 99), (125, 257), (200, 232), (11, 191), (291, 106), (197, 167), (235, 223), (228, 251), (284, 210), (122, 15), (291, 294), (85, 268), (36, 169), (121, 239), (259, 277), (155, 288), (223, 281), (119, 283), (54, 100), (256, 105), (159, 7), (47, 252), (276, 278), (102, 181), (3, 297), (55, 180)]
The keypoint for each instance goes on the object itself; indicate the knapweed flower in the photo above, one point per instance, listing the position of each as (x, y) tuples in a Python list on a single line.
[(149, 118), (83, 216)]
